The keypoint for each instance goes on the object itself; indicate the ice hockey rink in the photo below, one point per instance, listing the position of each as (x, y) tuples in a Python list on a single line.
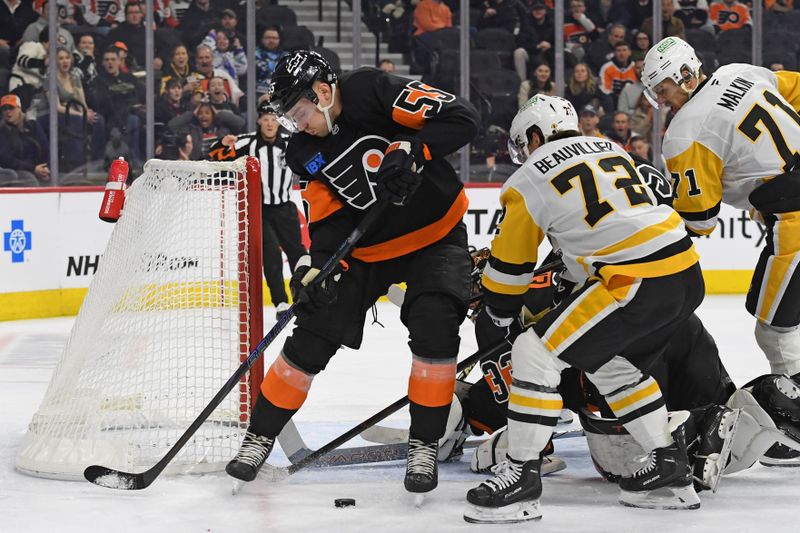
[(356, 385)]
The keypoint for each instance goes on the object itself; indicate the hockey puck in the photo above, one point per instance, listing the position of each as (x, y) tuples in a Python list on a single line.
[(344, 502)]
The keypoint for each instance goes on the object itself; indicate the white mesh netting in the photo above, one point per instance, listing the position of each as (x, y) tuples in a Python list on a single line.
[(163, 326)]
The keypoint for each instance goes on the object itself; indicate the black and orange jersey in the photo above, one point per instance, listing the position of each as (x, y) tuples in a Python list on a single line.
[(337, 172)]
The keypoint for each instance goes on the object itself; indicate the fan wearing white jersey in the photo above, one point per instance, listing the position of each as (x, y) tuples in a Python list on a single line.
[(735, 138), (640, 280)]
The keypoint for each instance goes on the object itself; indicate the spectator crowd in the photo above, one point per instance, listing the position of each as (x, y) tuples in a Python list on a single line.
[(200, 68), (201, 65)]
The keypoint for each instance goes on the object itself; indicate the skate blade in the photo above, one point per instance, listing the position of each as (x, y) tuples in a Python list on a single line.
[(237, 486), (781, 463), (508, 514), (419, 499), (716, 465), (662, 498), (552, 464)]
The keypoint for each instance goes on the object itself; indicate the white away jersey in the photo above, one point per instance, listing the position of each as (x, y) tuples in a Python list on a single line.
[(585, 194), (737, 129)]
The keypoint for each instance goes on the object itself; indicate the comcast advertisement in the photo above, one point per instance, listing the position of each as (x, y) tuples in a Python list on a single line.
[(53, 242)]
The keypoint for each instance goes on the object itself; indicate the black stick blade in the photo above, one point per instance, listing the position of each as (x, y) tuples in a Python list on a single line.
[(114, 479)]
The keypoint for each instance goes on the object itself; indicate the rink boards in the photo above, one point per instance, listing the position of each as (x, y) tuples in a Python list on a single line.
[(52, 243)]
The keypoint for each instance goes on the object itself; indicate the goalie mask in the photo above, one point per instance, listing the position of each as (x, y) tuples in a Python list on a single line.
[(670, 59), (291, 91), (551, 114)]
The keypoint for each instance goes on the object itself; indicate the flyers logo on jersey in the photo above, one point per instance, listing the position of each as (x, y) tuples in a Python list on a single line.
[(417, 102), (352, 174)]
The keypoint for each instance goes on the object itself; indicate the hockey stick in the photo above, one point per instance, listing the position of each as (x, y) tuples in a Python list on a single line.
[(116, 479), (383, 435), (373, 453), (314, 456)]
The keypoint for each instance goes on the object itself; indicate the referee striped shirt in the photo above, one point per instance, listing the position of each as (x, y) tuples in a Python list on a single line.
[(276, 178)]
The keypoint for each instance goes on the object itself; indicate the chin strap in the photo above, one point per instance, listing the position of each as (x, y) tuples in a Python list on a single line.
[(334, 129)]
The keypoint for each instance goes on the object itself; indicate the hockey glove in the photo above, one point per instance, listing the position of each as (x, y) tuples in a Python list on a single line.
[(399, 174), (490, 328), (307, 296)]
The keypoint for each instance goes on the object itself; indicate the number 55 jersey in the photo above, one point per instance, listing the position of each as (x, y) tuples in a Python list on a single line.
[(585, 194), (739, 127)]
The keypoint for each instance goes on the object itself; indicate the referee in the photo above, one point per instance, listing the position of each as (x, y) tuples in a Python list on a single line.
[(280, 223)]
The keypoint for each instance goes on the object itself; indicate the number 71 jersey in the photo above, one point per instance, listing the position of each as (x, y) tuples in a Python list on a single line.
[(585, 194), (739, 127)]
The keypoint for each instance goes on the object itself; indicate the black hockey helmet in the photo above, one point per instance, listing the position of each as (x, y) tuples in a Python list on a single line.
[(294, 77)]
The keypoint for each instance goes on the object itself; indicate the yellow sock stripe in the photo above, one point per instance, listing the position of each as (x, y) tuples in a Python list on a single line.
[(627, 401), (536, 403)]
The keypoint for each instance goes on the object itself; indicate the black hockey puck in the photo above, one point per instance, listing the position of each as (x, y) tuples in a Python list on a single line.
[(344, 502)]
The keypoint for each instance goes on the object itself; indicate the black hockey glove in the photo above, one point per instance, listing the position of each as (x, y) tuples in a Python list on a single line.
[(309, 297), (490, 328), (399, 174)]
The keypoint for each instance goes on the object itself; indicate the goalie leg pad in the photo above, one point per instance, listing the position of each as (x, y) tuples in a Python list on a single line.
[(778, 395), (494, 450), (756, 433), (451, 445)]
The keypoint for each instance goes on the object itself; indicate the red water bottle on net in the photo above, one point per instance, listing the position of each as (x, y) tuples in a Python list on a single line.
[(114, 197)]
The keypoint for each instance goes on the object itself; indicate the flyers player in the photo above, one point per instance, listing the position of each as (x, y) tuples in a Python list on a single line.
[(358, 138), (642, 280), (735, 138)]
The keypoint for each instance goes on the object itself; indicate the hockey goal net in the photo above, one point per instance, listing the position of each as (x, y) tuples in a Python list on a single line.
[(174, 308)]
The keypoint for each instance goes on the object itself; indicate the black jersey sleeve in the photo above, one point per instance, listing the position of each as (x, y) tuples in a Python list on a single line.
[(442, 121)]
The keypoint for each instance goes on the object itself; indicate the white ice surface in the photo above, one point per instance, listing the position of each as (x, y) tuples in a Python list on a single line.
[(355, 385)]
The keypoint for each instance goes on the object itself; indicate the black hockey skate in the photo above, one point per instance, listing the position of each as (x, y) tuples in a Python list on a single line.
[(422, 474), (665, 482), (716, 437), (512, 495), (251, 456)]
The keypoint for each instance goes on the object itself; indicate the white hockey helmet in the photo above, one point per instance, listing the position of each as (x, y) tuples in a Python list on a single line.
[(671, 58), (551, 114)]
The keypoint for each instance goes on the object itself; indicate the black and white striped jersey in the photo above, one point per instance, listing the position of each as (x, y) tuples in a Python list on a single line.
[(276, 177)]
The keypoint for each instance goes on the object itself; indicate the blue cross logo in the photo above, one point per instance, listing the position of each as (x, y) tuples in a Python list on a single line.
[(17, 241)]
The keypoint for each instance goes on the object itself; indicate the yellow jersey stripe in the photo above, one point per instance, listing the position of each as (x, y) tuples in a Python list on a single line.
[(640, 237), (653, 269)]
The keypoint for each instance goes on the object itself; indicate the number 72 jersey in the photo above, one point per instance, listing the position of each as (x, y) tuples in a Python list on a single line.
[(739, 127), (585, 194)]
